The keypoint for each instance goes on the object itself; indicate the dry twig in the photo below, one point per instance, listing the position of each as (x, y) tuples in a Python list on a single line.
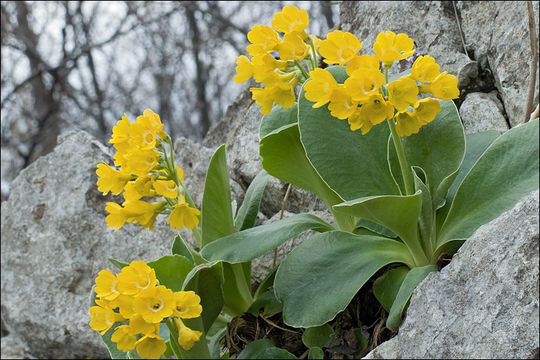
[(534, 64)]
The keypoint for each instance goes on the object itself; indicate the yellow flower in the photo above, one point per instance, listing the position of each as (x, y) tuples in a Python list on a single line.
[(376, 109), (140, 162), (362, 62), (293, 47), (151, 346), (142, 212), (320, 87), (187, 305), (103, 316), (111, 180), (263, 39), (117, 216), (136, 277), (180, 173), (151, 121), (290, 19), (425, 69), (426, 110), (142, 186), (183, 215), (407, 123), (443, 87), (339, 47), (363, 83), (154, 303), (356, 121), (244, 69), (139, 326), (166, 188), (264, 65), (124, 338), (390, 47), (106, 285), (186, 337), (124, 303), (341, 104), (267, 96), (120, 131), (402, 93)]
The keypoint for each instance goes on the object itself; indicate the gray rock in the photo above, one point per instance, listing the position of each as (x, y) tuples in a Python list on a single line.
[(498, 34), (431, 24), (55, 241), (14, 348), (484, 304), (481, 112)]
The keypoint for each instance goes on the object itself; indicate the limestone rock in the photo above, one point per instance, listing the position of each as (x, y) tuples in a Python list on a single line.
[(55, 241), (484, 304), (431, 24), (481, 112), (498, 34)]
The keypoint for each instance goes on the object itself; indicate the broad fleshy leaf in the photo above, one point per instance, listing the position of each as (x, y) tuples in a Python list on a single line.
[(264, 349), (426, 221), (119, 264), (438, 148), (277, 118), (506, 171), (476, 145), (411, 281), (318, 279), (247, 214), (216, 217), (386, 287), (207, 282), (251, 243), (171, 270), (181, 247), (352, 164), (399, 213), (318, 336)]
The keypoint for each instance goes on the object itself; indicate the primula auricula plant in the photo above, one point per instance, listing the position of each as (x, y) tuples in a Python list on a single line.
[(403, 194), (180, 303)]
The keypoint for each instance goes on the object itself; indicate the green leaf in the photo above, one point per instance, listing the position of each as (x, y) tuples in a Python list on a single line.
[(181, 247), (315, 353), (120, 265), (268, 302), (236, 289), (171, 270), (215, 334), (476, 145), (216, 217), (386, 287), (362, 335), (411, 281), (247, 214), (318, 336), (207, 282), (320, 276), (284, 157), (438, 148), (426, 221), (264, 349), (352, 164), (267, 282), (395, 212), (277, 118), (507, 171), (251, 243), (373, 227)]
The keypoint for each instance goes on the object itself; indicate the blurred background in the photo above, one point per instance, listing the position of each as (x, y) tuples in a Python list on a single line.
[(83, 64)]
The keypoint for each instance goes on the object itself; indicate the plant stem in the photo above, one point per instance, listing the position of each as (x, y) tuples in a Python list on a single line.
[(173, 334), (403, 164), (304, 72)]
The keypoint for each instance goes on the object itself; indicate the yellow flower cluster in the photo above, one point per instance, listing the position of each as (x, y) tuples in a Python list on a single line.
[(278, 76), (134, 296), (366, 99), (145, 171)]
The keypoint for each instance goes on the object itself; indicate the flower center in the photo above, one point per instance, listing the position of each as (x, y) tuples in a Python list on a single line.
[(143, 286), (156, 306)]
